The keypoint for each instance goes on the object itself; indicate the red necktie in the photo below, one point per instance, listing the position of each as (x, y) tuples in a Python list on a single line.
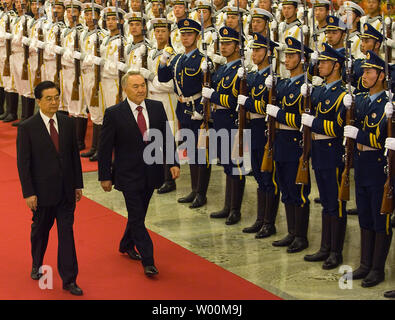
[(141, 121), (54, 134)]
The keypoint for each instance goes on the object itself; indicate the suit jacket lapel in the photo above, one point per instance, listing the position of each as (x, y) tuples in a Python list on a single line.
[(44, 132), (128, 114)]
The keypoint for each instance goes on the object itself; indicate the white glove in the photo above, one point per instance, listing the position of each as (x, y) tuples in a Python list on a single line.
[(272, 110), (390, 143), (196, 116), (122, 66), (59, 50), (305, 90), (241, 72), (389, 109), (347, 100), (314, 57), (204, 66), (241, 99), (40, 44), (281, 46), (147, 74), (391, 43), (207, 92), (214, 36), (273, 25), (387, 20), (26, 41), (307, 119), (218, 59), (305, 29), (165, 56), (349, 63), (68, 55), (77, 55), (8, 36), (317, 81), (350, 132), (98, 61), (269, 82)]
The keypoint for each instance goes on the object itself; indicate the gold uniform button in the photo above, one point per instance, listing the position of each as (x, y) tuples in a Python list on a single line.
[(330, 144), (295, 139), (379, 159)]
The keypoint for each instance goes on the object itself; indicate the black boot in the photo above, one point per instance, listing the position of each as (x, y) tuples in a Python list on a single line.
[(367, 250), (96, 154), (204, 174), (338, 233), (12, 107), (381, 247), (31, 105), (261, 207), (393, 221), (169, 184), (289, 238), (194, 169), (5, 110), (269, 219), (93, 148), (23, 111), (236, 200), (301, 226), (2, 100), (224, 213), (323, 253)]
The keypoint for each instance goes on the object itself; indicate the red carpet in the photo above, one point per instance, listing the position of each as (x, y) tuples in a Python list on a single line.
[(103, 272)]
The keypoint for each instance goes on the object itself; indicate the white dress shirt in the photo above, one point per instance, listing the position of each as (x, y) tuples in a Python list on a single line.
[(46, 121), (134, 106)]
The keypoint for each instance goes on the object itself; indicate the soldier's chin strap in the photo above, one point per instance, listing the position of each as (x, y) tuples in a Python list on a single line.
[(378, 75)]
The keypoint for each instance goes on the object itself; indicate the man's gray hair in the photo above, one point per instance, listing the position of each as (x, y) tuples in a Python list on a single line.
[(125, 77)]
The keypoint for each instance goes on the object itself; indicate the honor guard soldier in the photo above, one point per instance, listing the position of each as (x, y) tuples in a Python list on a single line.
[(335, 32), (326, 154), (231, 19), (210, 33), (89, 47), (371, 39), (224, 97), (369, 133), (157, 9), (162, 91), (2, 55), (72, 85), (268, 193), (373, 14), (109, 53), (186, 71), (220, 14), (356, 13), (11, 94), (290, 27), (23, 82), (180, 10), (321, 12), (287, 148)]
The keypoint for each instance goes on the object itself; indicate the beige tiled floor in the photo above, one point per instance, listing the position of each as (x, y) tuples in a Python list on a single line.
[(286, 275)]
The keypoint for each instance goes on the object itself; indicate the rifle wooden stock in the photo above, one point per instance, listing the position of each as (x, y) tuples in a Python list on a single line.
[(25, 71), (206, 109), (344, 192), (267, 161), (96, 87), (7, 66), (121, 58), (303, 174), (242, 116), (37, 78), (388, 32), (75, 93), (58, 60)]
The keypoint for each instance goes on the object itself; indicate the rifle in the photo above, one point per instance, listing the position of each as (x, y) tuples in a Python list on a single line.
[(58, 56), (75, 93), (267, 161), (7, 66), (25, 72), (96, 87), (40, 53), (243, 84), (121, 57), (145, 56), (388, 31), (387, 204), (344, 192), (214, 22), (315, 40), (302, 176), (206, 83)]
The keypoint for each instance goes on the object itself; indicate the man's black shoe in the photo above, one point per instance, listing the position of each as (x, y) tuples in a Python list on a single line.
[(167, 187), (133, 254), (35, 274), (150, 271), (198, 202), (73, 289)]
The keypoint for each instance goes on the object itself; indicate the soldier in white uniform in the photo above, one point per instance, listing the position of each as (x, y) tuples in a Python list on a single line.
[(180, 10), (373, 15), (89, 45), (321, 12), (353, 13), (210, 34), (290, 27), (10, 92)]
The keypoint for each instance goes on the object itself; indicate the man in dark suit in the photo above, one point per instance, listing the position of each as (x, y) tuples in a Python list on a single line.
[(126, 127), (51, 177)]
